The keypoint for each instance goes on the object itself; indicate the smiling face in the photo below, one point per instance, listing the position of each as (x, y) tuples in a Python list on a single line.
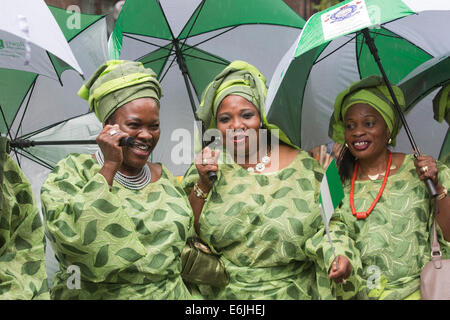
[(140, 120), (235, 116), (366, 132)]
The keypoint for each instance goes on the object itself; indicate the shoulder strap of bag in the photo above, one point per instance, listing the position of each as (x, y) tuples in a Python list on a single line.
[(436, 254)]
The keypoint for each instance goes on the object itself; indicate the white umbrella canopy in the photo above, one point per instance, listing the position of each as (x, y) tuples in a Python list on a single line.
[(31, 40), (304, 116), (33, 104), (199, 38)]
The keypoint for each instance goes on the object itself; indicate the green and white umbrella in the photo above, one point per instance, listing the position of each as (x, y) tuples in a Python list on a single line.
[(33, 106), (331, 53), (30, 40), (420, 87), (39, 108), (188, 43)]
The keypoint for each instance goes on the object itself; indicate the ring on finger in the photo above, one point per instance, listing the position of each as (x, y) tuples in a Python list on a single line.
[(424, 169), (112, 132)]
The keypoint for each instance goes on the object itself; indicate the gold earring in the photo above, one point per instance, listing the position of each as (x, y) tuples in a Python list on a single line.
[(346, 145), (389, 141)]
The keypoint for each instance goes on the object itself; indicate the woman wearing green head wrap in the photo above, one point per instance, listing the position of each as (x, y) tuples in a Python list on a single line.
[(441, 108), (386, 208), (117, 222), (261, 215)]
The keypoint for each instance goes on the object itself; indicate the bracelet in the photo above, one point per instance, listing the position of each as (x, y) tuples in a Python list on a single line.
[(199, 193), (442, 195)]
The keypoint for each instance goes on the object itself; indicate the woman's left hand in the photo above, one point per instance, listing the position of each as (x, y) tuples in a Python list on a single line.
[(340, 269), (426, 167)]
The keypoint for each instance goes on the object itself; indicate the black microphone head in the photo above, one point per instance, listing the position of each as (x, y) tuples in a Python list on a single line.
[(212, 175), (127, 142)]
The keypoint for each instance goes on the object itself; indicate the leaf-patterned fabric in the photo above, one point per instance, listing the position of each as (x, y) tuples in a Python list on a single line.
[(394, 240), (22, 241), (268, 230), (127, 243)]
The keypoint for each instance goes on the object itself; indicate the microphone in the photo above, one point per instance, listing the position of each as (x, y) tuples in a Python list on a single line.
[(212, 175), (126, 142)]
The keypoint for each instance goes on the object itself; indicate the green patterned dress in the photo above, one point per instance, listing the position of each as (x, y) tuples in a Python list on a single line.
[(22, 242), (126, 243), (394, 240), (446, 159), (268, 230)]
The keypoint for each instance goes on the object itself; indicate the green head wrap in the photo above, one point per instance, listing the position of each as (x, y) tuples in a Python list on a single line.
[(371, 91), (242, 79), (441, 104), (116, 83)]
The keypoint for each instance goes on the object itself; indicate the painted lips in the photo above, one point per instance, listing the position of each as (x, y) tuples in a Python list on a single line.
[(141, 149), (239, 138), (361, 145)]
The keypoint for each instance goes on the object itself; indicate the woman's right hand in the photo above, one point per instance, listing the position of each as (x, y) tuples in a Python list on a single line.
[(108, 141), (205, 162)]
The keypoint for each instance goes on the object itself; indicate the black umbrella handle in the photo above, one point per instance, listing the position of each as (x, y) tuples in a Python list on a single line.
[(374, 51), (25, 143)]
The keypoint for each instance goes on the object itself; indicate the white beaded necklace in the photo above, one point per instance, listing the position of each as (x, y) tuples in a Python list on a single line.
[(260, 166), (136, 182)]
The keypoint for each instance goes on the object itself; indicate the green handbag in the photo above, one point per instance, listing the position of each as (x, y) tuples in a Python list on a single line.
[(201, 266)]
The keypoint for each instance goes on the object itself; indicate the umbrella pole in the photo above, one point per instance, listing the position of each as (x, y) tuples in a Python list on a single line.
[(374, 51), (182, 64)]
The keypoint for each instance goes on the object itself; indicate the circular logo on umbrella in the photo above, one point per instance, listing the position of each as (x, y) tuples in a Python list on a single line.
[(344, 13)]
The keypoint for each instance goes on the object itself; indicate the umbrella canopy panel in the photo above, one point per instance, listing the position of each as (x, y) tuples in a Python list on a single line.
[(188, 45), (30, 39), (31, 103), (424, 79), (423, 83)]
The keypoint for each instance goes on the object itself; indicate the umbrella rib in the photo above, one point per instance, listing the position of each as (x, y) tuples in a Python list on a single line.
[(147, 42), (29, 135), (223, 62), (358, 55), (213, 37), (32, 157), (54, 68), (334, 50), (21, 102), (167, 70), (153, 60), (99, 18), (6, 123), (165, 18), (17, 157), (200, 8), (395, 36), (153, 44), (408, 41), (25, 111)]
